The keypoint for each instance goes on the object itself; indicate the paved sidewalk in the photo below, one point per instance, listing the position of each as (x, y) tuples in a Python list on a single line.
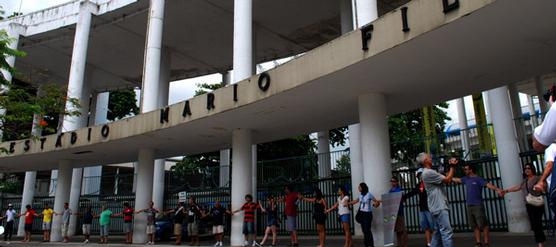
[(461, 240)]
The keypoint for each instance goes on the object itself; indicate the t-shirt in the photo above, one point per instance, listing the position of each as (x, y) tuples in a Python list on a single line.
[(193, 213), (10, 215), (546, 132), (217, 215), (342, 208), (366, 202), (151, 216), (395, 190), (128, 215), (47, 215), (474, 186), (66, 214), (29, 216), (549, 155), (291, 204), (88, 218), (179, 215), (419, 190), (528, 185), (436, 192), (105, 217), (249, 210)]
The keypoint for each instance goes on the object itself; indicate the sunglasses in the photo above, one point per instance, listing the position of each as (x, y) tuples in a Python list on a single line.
[(528, 168)]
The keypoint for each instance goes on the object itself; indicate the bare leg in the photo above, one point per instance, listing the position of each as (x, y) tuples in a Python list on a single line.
[(347, 233), (266, 233), (322, 235), (486, 235), (428, 236), (477, 233), (274, 234)]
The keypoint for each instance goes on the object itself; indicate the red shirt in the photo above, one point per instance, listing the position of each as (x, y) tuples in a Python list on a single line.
[(249, 210), (128, 214), (29, 216), (291, 206)]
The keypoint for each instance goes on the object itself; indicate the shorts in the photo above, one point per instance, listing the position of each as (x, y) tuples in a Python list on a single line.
[(218, 229), (477, 217), (248, 228), (178, 229), (192, 229), (272, 222), (104, 230), (46, 226), (65, 227), (151, 229), (28, 227), (291, 223), (345, 218), (86, 229), (128, 227), (426, 221)]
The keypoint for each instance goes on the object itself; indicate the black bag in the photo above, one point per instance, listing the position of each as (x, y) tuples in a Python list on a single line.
[(359, 216)]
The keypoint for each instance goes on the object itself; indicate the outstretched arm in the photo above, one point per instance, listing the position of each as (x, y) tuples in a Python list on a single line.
[(541, 185)]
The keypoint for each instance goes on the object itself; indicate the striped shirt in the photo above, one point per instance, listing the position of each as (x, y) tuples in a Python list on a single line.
[(249, 210)]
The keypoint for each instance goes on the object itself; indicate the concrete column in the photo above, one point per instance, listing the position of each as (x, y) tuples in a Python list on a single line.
[(243, 39), (77, 68), (75, 194), (145, 170), (462, 119), (517, 118), (241, 179), (30, 178), (53, 182), (540, 92), (92, 185), (508, 158), (225, 154), (366, 11), (532, 112), (153, 53), (254, 171), (377, 168), (26, 198), (61, 197), (163, 94), (150, 94), (323, 152)]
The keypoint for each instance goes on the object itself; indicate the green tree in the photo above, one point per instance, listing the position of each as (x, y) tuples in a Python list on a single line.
[(343, 166), (122, 104), (406, 132)]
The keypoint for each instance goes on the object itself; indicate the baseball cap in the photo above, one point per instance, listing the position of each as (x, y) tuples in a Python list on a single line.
[(10, 205)]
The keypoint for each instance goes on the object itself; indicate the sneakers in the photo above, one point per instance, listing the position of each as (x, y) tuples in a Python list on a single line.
[(218, 244), (86, 241), (150, 243), (246, 243), (255, 244)]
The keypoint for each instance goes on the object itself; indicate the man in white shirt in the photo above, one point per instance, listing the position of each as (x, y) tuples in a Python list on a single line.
[(545, 134), (10, 219)]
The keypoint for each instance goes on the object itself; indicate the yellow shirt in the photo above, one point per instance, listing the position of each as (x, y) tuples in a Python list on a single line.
[(47, 215)]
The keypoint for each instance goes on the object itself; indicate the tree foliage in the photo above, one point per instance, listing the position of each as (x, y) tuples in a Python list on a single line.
[(122, 104), (406, 132)]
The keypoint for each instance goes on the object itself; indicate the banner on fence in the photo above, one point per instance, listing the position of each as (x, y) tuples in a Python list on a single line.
[(182, 196), (390, 207), (481, 121)]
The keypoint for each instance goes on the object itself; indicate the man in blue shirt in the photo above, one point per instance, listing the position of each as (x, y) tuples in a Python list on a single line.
[(476, 215)]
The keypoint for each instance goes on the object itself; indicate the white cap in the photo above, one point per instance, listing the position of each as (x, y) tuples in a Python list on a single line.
[(419, 171)]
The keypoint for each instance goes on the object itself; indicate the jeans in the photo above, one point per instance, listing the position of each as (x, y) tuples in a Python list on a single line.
[(443, 236), (9, 231), (366, 228)]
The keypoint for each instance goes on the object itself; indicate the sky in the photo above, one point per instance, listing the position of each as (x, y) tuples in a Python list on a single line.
[(184, 89)]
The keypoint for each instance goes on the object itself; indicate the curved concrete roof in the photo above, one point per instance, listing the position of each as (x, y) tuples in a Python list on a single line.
[(197, 33), (481, 45)]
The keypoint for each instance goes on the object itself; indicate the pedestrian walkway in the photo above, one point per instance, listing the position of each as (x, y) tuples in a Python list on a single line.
[(462, 240)]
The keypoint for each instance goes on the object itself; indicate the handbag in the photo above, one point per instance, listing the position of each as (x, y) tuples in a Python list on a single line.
[(359, 216), (537, 201)]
